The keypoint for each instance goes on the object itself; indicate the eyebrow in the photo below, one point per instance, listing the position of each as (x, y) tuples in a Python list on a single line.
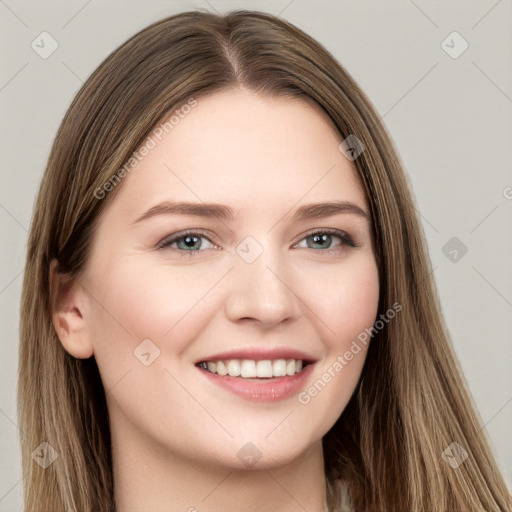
[(225, 213)]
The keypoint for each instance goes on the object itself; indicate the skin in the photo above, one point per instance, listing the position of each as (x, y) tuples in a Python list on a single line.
[(175, 435)]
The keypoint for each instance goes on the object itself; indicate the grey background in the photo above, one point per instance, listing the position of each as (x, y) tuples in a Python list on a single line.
[(450, 118)]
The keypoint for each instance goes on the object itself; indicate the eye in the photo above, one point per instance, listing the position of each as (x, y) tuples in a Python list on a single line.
[(323, 240), (187, 243)]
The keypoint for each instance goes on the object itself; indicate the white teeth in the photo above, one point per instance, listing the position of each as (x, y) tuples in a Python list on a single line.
[(233, 367), (221, 368), (250, 369), (279, 367), (290, 367), (264, 369)]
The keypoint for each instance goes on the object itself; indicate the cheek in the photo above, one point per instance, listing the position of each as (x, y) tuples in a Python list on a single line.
[(347, 304), (345, 300), (134, 301)]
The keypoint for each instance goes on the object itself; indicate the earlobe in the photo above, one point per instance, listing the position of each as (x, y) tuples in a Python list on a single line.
[(68, 307)]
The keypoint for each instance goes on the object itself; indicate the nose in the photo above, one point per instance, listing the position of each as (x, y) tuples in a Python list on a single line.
[(263, 291)]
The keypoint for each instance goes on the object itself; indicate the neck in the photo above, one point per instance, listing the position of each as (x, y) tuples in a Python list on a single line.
[(152, 478)]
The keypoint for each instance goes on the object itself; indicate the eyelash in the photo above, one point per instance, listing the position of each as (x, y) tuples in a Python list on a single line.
[(346, 240)]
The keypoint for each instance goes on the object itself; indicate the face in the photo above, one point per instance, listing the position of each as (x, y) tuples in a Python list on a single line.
[(263, 285)]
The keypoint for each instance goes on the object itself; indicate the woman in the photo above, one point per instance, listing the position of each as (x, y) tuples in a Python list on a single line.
[(187, 340)]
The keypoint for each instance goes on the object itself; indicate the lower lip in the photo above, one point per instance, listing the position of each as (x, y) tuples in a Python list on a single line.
[(266, 390)]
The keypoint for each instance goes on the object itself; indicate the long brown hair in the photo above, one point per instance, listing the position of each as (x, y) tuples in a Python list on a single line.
[(411, 402)]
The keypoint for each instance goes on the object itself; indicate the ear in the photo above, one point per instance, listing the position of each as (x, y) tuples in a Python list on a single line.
[(69, 302)]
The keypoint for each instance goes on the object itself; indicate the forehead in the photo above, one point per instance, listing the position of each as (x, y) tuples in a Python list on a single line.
[(244, 149)]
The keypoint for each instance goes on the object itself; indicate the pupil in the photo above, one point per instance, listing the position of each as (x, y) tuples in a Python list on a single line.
[(318, 239), (190, 241)]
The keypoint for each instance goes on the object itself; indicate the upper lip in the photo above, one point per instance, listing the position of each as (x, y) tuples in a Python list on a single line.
[(259, 353)]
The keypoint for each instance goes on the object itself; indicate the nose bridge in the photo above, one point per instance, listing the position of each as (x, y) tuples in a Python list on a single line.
[(260, 287)]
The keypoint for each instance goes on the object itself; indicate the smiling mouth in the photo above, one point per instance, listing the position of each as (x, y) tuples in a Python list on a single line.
[(255, 369)]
